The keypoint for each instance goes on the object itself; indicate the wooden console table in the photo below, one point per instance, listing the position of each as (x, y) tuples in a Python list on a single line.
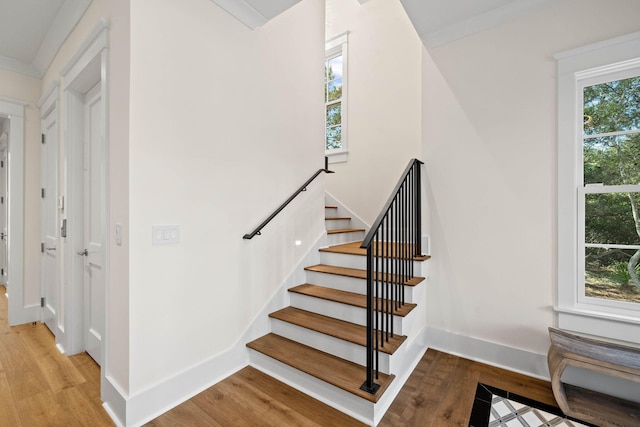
[(599, 356)]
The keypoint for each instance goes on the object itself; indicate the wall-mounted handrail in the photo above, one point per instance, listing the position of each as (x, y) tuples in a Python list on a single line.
[(392, 244), (302, 188)]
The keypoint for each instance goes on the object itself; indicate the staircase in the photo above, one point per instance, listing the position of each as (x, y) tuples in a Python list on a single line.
[(318, 343)]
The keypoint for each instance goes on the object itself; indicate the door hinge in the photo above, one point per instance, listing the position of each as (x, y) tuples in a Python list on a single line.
[(42, 247), (43, 138), (2, 200), (1, 271), (41, 301), (1, 163), (42, 192)]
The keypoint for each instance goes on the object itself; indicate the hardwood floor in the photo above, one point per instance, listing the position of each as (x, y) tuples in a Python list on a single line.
[(41, 387), (439, 393)]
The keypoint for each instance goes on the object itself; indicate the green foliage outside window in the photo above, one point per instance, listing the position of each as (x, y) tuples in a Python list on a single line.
[(611, 156)]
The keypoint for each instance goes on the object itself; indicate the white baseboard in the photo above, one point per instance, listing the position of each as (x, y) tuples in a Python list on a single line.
[(490, 353), (144, 406)]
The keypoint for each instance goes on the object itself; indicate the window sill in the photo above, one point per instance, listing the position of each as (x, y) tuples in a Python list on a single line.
[(613, 326), (337, 156)]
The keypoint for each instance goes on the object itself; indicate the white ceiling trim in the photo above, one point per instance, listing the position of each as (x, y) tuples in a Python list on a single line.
[(19, 67), (483, 21), (243, 12), (66, 19)]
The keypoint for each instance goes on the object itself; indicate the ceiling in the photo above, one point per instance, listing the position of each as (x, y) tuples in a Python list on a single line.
[(32, 31)]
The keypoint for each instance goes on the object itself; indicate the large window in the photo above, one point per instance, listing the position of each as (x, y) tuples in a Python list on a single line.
[(599, 189), (335, 98)]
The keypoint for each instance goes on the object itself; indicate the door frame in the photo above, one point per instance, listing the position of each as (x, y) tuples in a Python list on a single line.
[(88, 67), (49, 105), (18, 312)]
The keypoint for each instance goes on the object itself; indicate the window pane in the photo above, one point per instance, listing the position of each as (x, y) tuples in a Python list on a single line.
[(612, 160), (607, 275), (609, 218), (334, 138), (334, 114), (334, 68), (335, 90), (612, 106)]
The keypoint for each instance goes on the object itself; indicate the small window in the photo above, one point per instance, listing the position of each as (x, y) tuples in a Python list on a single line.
[(335, 98)]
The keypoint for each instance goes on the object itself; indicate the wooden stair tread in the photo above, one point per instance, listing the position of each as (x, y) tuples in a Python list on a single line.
[(331, 207), (338, 372), (353, 248), (338, 218), (345, 230), (344, 297), (336, 328), (356, 273)]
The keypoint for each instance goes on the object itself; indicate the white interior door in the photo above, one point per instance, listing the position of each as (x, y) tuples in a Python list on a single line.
[(4, 273), (49, 280), (94, 221)]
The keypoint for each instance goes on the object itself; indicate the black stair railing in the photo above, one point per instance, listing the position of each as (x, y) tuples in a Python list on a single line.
[(392, 244), (303, 187)]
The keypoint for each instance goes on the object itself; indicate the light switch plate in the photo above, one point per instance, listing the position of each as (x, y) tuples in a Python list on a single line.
[(165, 234)]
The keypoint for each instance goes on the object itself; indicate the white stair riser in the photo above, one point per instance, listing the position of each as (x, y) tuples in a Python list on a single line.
[(350, 284), (350, 404), (337, 224), (340, 238), (345, 312), (358, 261), (346, 350), (335, 281)]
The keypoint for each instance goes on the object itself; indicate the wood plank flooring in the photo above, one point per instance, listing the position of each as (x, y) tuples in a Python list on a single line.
[(439, 393), (41, 387)]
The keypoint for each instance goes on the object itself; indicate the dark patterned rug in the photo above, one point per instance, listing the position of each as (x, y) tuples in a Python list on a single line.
[(498, 408)]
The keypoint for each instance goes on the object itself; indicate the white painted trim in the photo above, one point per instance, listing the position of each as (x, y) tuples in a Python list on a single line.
[(88, 66), (484, 21), (115, 401), (574, 66), (18, 312), (243, 12), (65, 21), (19, 67), (501, 356), (97, 40), (49, 107)]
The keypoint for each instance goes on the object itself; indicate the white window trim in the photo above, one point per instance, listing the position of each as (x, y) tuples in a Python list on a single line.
[(573, 66), (334, 47)]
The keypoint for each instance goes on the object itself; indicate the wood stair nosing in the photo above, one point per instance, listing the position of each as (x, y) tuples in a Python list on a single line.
[(345, 230), (340, 329), (337, 218), (353, 248), (331, 207), (338, 372), (348, 298), (359, 274)]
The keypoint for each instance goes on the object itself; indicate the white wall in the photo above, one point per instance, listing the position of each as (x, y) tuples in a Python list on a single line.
[(489, 141), (27, 89), (225, 124), (384, 101)]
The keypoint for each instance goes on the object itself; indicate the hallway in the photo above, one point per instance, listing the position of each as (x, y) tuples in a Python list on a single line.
[(41, 387)]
